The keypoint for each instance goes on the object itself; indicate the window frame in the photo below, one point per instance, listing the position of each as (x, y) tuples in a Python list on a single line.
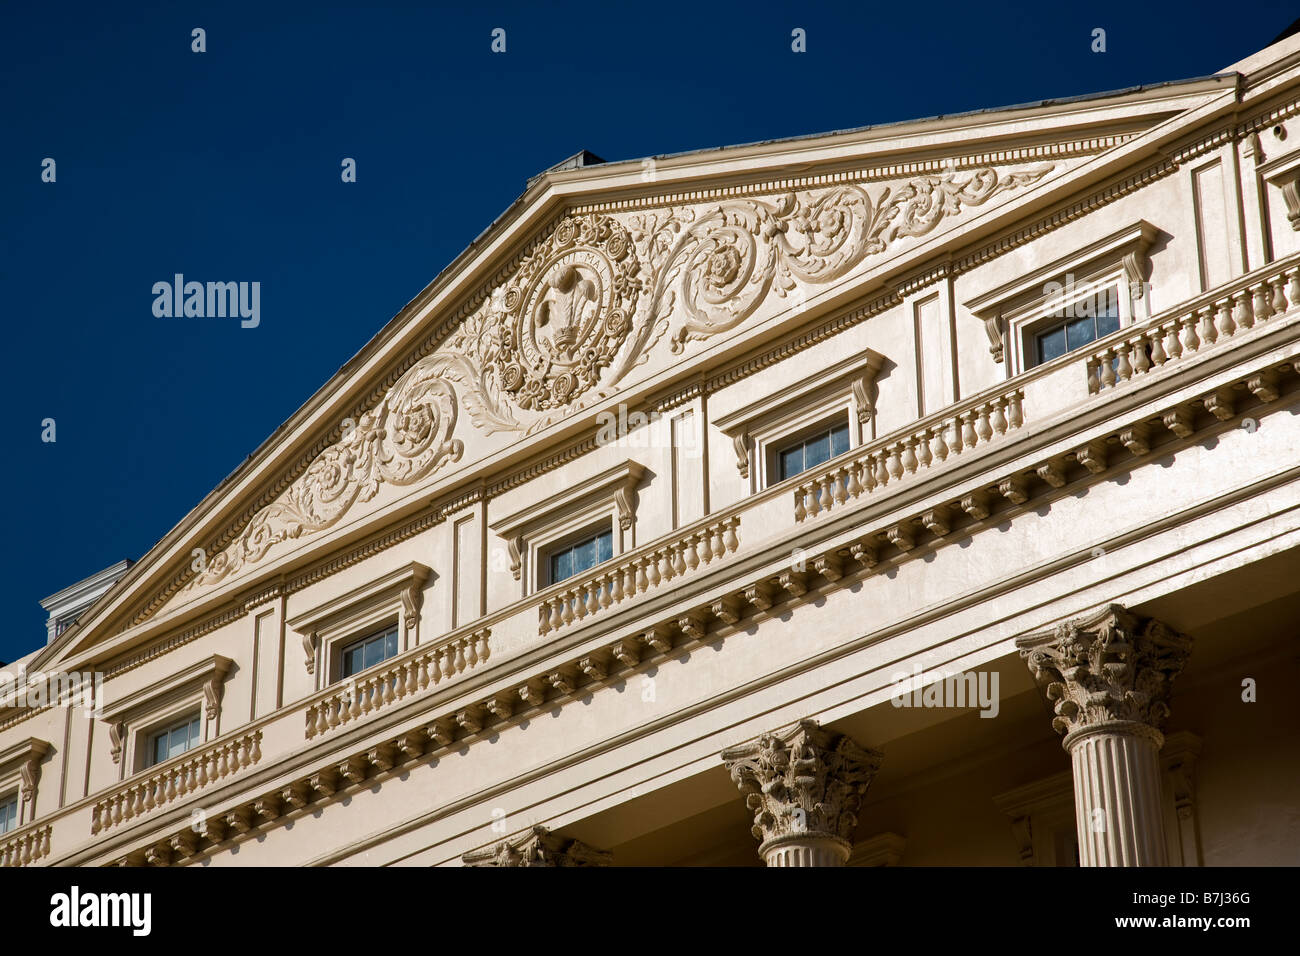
[(756, 428), (593, 531), (15, 798), (393, 599), (1045, 317), (394, 628), (607, 500), (150, 737), (1024, 304), (776, 448), (131, 719)]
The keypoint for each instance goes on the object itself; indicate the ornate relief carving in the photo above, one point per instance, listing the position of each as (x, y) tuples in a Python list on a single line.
[(1112, 666), (566, 313), (802, 780), (538, 847), (582, 309)]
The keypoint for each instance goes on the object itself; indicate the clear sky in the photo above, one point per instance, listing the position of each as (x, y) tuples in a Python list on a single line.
[(225, 166)]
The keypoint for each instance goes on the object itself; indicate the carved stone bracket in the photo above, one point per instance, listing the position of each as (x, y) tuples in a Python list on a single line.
[(212, 688), (804, 785), (24, 757), (538, 847), (1284, 173)]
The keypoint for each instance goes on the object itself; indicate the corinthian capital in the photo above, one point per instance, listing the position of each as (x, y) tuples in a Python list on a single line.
[(1110, 667), (538, 847), (802, 781)]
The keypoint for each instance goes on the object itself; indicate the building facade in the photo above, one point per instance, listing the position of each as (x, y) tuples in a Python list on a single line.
[(922, 494)]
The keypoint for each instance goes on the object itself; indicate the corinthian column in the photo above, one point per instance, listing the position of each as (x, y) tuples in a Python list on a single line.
[(805, 785), (1109, 677), (538, 847)]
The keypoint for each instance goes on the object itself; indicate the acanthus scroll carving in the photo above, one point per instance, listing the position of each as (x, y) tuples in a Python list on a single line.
[(582, 309), (1111, 667), (803, 779)]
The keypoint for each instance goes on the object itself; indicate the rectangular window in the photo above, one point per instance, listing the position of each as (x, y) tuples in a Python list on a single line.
[(8, 813), (174, 740), (583, 556), (1087, 319), (816, 449), (369, 651)]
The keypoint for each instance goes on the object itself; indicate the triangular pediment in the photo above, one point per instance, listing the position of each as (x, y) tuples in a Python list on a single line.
[(603, 279)]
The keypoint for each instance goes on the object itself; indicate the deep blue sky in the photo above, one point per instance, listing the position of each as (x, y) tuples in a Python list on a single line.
[(225, 166)]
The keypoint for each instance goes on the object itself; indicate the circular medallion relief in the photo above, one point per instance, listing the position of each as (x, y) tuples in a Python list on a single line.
[(567, 313)]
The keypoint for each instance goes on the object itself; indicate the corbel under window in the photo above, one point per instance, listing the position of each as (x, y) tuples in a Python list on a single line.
[(20, 769), (393, 598), (845, 390), (607, 500), (131, 719), (1015, 310)]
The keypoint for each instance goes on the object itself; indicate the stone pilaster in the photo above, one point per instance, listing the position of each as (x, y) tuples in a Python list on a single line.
[(1108, 677), (805, 785), (538, 847)]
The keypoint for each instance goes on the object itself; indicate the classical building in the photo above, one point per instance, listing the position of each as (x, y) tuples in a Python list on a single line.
[(920, 494)]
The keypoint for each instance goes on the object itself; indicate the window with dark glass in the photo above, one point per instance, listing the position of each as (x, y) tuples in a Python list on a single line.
[(812, 451), (174, 740), (8, 813), (369, 651), (1088, 319), (582, 556)]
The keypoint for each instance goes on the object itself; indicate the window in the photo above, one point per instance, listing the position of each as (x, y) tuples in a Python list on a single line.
[(812, 451), (369, 651), (1088, 319), (582, 556), (8, 813), (174, 740)]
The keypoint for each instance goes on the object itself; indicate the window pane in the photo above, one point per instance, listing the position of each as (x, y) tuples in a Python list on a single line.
[(791, 461), (605, 545), (1051, 344), (585, 556), (817, 450), (562, 566), (1079, 332), (352, 660), (839, 440), (374, 651), (8, 814), (390, 645), (1108, 313), (194, 733), (160, 748)]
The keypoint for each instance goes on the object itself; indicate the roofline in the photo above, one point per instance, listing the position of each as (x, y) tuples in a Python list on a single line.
[(85, 584), (920, 121)]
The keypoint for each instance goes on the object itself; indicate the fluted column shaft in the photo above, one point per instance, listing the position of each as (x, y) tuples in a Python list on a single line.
[(1117, 795), (1109, 677), (809, 850)]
